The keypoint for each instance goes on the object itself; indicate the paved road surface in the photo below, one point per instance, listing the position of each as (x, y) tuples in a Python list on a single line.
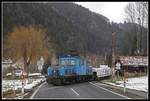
[(81, 90)]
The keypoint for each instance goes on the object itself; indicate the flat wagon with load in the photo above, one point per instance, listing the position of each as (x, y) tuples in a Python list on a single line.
[(102, 72)]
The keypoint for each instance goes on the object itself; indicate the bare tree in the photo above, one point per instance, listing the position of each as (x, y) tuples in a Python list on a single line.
[(130, 12), (29, 43), (145, 10), (137, 10), (142, 14), (140, 17), (137, 13)]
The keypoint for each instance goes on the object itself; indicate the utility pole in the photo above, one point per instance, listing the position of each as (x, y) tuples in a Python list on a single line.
[(138, 38), (113, 55), (22, 78)]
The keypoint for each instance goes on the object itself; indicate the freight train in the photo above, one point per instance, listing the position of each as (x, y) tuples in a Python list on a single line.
[(71, 69)]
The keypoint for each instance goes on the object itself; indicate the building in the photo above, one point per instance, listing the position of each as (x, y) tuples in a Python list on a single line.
[(19, 64), (6, 63), (11, 68), (134, 63)]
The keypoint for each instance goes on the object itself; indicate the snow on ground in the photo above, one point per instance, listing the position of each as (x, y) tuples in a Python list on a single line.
[(35, 74), (138, 83), (16, 84)]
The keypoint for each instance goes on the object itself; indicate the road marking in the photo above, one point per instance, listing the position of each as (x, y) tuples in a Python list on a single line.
[(109, 91), (75, 91), (36, 91)]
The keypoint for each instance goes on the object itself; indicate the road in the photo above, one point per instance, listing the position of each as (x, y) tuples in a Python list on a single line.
[(75, 91)]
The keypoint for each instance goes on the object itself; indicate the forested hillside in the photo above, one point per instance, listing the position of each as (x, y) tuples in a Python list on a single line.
[(70, 26)]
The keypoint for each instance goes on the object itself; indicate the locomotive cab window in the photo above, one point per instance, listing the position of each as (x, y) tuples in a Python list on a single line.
[(67, 62), (81, 62), (72, 62), (63, 62)]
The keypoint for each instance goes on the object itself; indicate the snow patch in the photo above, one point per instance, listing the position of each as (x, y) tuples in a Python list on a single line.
[(17, 84), (35, 74), (138, 83)]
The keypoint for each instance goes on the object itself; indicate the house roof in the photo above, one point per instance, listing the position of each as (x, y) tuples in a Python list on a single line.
[(134, 60), (18, 64), (7, 61)]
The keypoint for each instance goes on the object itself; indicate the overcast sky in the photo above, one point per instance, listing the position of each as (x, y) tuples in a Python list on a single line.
[(114, 11)]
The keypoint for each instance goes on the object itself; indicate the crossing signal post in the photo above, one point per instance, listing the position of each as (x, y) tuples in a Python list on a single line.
[(23, 81), (125, 79), (124, 90)]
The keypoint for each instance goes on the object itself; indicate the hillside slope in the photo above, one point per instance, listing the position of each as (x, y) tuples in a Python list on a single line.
[(68, 25)]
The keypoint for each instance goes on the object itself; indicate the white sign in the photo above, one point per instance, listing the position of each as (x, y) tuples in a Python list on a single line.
[(118, 65), (40, 63)]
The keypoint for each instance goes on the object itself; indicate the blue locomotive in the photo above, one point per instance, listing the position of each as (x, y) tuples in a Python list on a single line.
[(71, 69)]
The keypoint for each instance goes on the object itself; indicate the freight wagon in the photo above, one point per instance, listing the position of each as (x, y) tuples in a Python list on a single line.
[(103, 72)]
